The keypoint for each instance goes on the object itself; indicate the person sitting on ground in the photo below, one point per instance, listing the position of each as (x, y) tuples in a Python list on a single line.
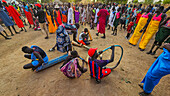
[(63, 42), (36, 54), (160, 68), (83, 37), (101, 63), (74, 54)]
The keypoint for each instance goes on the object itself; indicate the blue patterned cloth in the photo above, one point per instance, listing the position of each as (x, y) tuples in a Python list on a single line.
[(62, 38)]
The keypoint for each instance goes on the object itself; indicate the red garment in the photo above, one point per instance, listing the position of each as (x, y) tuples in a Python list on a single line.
[(130, 26), (138, 17), (4, 1), (106, 72), (133, 9), (74, 8), (92, 51), (81, 41), (29, 17), (58, 18), (15, 15), (38, 5), (102, 20)]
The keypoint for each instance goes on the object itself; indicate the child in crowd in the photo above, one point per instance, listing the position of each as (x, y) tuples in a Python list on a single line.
[(130, 28), (83, 37), (123, 21)]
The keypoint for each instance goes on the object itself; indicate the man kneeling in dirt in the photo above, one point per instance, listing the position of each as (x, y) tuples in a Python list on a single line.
[(63, 42), (36, 54)]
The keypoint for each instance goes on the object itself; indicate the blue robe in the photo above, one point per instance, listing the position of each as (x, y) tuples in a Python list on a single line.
[(5, 18), (159, 68)]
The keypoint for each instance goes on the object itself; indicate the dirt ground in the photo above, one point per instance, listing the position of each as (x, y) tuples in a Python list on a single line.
[(123, 81)]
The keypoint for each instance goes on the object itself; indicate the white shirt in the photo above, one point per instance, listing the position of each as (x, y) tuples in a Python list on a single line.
[(80, 36), (70, 15)]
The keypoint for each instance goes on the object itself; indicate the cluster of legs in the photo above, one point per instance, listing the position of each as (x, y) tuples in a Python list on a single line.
[(6, 37), (128, 35), (12, 34), (44, 29), (11, 31), (109, 28), (104, 36), (31, 26), (25, 23), (123, 26), (22, 29)]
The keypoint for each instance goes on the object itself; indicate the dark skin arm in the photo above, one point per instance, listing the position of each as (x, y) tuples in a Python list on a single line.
[(163, 18), (149, 19), (36, 14), (109, 61), (74, 36), (164, 22), (27, 56), (167, 46), (66, 61), (40, 59), (55, 17), (112, 56)]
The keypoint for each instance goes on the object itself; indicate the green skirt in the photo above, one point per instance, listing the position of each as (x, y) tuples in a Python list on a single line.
[(162, 34), (116, 22)]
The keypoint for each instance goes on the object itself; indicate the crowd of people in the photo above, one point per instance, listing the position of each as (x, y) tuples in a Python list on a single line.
[(142, 21), (63, 19)]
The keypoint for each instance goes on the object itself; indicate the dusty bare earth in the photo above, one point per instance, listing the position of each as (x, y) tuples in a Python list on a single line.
[(15, 81)]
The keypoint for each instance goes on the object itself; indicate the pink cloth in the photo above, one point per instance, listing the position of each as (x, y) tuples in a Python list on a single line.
[(98, 27), (117, 15), (157, 18), (146, 16)]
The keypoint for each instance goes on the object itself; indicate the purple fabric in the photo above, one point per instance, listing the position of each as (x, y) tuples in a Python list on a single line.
[(102, 63), (67, 69), (77, 17)]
